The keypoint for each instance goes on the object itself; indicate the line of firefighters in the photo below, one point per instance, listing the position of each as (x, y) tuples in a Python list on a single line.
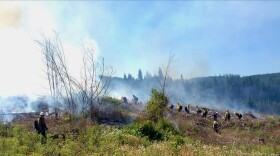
[(204, 112)]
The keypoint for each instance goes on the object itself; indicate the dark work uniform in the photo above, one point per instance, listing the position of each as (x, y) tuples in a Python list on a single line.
[(216, 127), (205, 112), (239, 115), (42, 126), (227, 116), (215, 116), (187, 110)]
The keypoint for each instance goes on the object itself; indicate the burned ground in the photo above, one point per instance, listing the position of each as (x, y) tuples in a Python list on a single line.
[(256, 136)]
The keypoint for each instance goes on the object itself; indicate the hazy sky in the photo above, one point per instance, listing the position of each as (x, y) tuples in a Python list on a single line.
[(207, 38)]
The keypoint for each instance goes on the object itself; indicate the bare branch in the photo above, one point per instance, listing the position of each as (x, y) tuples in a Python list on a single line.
[(94, 79)]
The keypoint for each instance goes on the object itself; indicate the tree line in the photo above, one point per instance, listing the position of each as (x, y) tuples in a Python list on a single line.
[(260, 93)]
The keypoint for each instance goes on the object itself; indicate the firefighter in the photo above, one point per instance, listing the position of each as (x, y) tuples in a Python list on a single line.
[(198, 111), (215, 116), (239, 115), (179, 107), (187, 109), (204, 112), (42, 127), (216, 126), (227, 116), (125, 100), (135, 99)]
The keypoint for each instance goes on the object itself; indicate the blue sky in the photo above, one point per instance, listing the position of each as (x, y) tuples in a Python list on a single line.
[(206, 38)]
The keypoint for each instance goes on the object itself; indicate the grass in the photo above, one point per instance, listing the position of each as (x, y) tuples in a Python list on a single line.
[(179, 135)]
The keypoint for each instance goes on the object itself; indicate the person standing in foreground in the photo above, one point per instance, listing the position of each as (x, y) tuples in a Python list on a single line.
[(43, 127)]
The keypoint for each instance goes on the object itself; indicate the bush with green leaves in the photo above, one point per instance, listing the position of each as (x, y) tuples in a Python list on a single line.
[(167, 128), (153, 131), (157, 105), (145, 129)]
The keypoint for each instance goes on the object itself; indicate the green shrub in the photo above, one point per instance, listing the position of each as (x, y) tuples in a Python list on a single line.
[(177, 140), (71, 148), (23, 149), (157, 105), (66, 152), (153, 131), (149, 130), (145, 129), (167, 129), (94, 135), (167, 126)]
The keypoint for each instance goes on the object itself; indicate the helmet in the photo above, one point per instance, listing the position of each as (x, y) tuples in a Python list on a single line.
[(215, 122), (42, 113), (217, 113), (227, 110)]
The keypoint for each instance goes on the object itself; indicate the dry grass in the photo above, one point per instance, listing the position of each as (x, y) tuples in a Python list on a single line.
[(249, 137), (248, 131)]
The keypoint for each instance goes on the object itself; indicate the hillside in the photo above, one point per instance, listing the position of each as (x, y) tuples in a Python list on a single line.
[(125, 127), (177, 134), (256, 93)]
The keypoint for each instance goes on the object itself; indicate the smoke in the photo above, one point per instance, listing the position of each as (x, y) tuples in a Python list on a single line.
[(184, 92), (40, 104), (14, 104), (20, 59), (10, 15), (120, 88), (9, 106)]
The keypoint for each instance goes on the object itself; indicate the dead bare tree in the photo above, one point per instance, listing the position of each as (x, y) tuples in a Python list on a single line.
[(163, 82), (60, 81), (49, 53), (94, 80), (93, 86)]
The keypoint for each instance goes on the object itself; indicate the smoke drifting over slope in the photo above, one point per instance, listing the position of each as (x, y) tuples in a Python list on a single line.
[(258, 93), (176, 93)]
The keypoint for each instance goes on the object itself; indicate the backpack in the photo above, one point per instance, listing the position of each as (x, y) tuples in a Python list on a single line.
[(36, 126)]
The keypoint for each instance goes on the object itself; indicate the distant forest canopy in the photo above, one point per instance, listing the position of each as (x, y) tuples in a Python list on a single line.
[(256, 93)]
